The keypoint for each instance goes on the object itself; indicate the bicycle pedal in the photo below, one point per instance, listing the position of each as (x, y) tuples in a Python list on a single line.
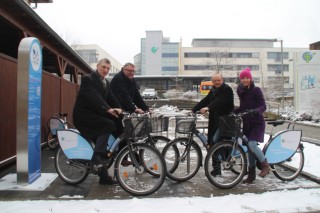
[(96, 167)]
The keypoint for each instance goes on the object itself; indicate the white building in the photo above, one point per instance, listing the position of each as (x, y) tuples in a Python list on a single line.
[(161, 57), (230, 56), (92, 53)]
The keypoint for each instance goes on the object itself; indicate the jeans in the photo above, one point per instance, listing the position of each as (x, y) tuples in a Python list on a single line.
[(253, 146), (216, 137)]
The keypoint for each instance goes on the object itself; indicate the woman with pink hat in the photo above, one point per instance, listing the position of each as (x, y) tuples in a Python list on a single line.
[(252, 100)]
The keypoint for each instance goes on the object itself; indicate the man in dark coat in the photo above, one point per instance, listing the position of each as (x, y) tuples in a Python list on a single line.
[(124, 87), (218, 102), (96, 114)]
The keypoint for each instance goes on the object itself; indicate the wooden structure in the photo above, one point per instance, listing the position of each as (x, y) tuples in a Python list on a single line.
[(17, 21)]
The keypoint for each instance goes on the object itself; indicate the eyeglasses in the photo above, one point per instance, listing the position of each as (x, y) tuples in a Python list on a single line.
[(216, 80), (131, 71)]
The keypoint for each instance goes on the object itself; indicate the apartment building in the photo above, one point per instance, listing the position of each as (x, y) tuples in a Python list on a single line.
[(92, 53), (230, 56), (205, 56)]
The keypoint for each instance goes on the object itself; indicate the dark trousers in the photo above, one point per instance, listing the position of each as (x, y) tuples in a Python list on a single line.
[(102, 140)]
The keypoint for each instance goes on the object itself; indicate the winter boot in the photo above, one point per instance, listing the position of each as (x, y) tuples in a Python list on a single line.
[(251, 176), (105, 179), (216, 167), (265, 169)]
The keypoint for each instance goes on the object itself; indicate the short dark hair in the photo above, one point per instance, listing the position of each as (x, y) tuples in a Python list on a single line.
[(105, 60), (128, 64)]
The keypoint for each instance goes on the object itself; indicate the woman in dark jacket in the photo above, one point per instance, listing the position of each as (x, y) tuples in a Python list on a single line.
[(96, 113), (218, 102), (251, 99)]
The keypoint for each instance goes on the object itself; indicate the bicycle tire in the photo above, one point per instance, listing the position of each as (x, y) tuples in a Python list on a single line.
[(290, 169), (52, 141), (136, 180), (179, 169), (70, 171), (226, 154), (159, 141)]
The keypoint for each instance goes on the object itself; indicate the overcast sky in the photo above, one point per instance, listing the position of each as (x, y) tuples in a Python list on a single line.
[(118, 25)]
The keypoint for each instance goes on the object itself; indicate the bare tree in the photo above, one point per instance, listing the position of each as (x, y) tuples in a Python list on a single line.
[(70, 40), (219, 60)]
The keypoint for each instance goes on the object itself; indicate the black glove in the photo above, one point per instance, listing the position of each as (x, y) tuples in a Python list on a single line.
[(253, 112)]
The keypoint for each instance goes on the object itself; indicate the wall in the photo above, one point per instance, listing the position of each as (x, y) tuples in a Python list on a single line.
[(58, 95)]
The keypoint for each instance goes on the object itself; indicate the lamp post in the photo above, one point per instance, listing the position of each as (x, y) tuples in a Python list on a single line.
[(282, 74)]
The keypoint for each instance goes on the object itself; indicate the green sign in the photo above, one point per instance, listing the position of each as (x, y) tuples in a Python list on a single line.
[(154, 49)]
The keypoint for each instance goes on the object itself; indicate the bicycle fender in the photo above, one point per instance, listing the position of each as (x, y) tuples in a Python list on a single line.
[(74, 145), (282, 146)]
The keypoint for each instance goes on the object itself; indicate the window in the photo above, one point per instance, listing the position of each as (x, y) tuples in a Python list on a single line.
[(277, 55), (277, 68), (169, 55), (170, 68)]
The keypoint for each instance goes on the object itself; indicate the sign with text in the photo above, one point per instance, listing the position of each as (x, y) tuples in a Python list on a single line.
[(307, 81)]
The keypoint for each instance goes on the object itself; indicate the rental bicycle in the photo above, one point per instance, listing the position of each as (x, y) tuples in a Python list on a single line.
[(183, 155), (57, 122), (284, 152), (144, 177)]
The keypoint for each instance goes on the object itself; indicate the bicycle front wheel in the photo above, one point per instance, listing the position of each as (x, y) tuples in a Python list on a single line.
[(182, 161), (70, 171), (221, 162), (290, 169), (135, 179), (159, 141)]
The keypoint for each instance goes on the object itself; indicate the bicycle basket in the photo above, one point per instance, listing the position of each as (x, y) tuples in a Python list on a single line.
[(229, 126), (184, 125), (141, 126), (159, 124)]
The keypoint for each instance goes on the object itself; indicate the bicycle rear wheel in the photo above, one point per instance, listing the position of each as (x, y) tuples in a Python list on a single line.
[(221, 162), (182, 161), (70, 171), (291, 168), (52, 141), (136, 180)]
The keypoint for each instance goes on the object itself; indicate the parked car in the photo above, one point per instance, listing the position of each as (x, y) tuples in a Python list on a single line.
[(149, 94)]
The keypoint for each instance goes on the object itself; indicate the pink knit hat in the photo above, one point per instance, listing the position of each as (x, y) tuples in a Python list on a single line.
[(246, 73)]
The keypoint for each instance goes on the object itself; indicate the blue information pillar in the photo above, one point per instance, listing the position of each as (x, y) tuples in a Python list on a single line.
[(29, 110)]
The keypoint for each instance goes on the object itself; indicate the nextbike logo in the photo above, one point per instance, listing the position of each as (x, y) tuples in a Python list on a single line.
[(35, 56), (154, 49), (307, 56)]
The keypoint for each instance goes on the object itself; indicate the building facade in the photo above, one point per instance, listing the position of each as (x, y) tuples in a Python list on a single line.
[(230, 56), (159, 56), (93, 53)]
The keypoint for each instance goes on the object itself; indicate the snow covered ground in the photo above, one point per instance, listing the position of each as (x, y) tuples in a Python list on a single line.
[(301, 200)]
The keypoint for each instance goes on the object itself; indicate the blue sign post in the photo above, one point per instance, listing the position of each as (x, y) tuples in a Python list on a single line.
[(29, 110)]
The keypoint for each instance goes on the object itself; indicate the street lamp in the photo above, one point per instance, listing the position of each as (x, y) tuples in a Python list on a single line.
[(282, 74)]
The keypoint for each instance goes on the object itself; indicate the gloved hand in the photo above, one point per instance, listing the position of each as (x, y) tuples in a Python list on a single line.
[(253, 112)]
